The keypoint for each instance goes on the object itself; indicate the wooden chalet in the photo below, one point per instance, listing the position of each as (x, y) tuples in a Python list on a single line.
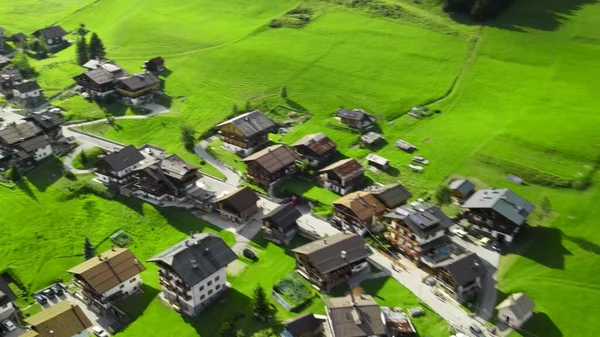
[(269, 166), (246, 133), (342, 177), (239, 205), (137, 88), (280, 224), (359, 212), (317, 148), (355, 118)]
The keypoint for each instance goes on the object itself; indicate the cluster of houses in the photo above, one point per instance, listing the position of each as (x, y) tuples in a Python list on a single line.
[(28, 141)]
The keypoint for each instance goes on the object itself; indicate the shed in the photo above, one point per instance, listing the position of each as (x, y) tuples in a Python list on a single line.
[(371, 138), (462, 188), (515, 310), (405, 146), (378, 161)]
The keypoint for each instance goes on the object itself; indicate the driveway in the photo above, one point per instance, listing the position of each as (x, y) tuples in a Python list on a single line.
[(68, 161), (232, 178)]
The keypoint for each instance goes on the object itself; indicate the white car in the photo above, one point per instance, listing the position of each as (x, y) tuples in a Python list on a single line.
[(9, 325), (98, 331), (483, 242), (458, 231)]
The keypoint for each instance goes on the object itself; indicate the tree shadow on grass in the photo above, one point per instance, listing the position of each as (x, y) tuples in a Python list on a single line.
[(584, 244), (46, 174), (134, 306), (25, 188), (540, 324), (295, 105), (542, 245)]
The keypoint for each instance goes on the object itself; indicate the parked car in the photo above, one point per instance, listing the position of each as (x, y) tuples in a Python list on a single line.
[(497, 246), (458, 231), (484, 241), (250, 254), (476, 330), (40, 298), (420, 160), (49, 293), (58, 290), (98, 331), (9, 325), (415, 168)]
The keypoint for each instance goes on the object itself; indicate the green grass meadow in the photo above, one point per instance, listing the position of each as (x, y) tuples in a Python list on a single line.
[(524, 102)]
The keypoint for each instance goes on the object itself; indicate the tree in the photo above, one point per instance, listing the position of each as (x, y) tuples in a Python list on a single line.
[(82, 51), (96, 48), (83, 157), (21, 62), (88, 249), (284, 92), (188, 137), (81, 30), (14, 174), (234, 109), (260, 304), (443, 195), (226, 329), (248, 106), (240, 333), (545, 207)]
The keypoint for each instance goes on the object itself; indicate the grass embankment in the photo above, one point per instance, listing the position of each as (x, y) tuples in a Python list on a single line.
[(87, 159)]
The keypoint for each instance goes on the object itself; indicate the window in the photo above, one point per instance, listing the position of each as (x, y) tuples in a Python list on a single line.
[(201, 288), (202, 297), (217, 278), (121, 286), (218, 287), (210, 292), (133, 280), (209, 283)]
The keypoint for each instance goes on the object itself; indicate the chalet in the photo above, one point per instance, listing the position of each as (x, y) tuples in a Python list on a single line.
[(28, 94), (239, 205), (371, 139), (246, 133), (13, 134), (52, 36), (7, 296), (137, 88), (99, 80), (193, 273), (461, 277), (515, 310), (306, 325), (499, 212), (359, 212), (280, 224), (356, 118), (109, 277), (413, 229), (64, 319), (48, 122), (378, 162), (155, 65), (462, 188), (342, 177), (169, 177), (118, 167), (8, 79), (33, 150), (329, 262), (392, 195), (18, 38), (317, 148), (398, 323), (269, 166), (357, 316)]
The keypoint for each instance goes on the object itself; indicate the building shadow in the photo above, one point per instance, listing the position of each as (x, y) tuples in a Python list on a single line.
[(132, 203), (184, 221), (540, 325), (134, 306), (47, 173), (542, 245)]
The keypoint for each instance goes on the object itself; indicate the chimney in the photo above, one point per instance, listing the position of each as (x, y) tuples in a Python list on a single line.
[(194, 263), (187, 243), (112, 247), (135, 261), (100, 257)]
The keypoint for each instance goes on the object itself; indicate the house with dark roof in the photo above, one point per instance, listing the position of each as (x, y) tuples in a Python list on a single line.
[(413, 229), (36, 149), (305, 325), (270, 166), (343, 176), (354, 316), (137, 88), (8, 79), (108, 278), (391, 195), (356, 118), (48, 122), (155, 65), (499, 212), (461, 277), (7, 296), (328, 262), (13, 133), (118, 166), (28, 94), (18, 38), (317, 148), (461, 188), (239, 205), (398, 323), (246, 133), (280, 224), (64, 319), (97, 82), (371, 139), (169, 177), (378, 162), (193, 272), (52, 36), (515, 310), (359, 212)]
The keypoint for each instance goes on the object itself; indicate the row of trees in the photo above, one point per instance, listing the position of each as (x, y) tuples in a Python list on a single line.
[(479, 10), (94, 50)]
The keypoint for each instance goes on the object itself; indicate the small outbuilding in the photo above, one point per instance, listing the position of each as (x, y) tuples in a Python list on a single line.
[(280, 224), (155, 65), (462, 188), (515, 310), (405, 146), (371, 139), (378, 162)]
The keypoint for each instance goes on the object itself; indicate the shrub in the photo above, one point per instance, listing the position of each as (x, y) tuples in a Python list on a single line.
[(69, 175)]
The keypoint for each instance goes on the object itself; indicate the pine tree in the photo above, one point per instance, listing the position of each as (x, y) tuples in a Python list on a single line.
[(88, 249), (248, 106), (234, 109), (21, 62), (260, 304), (83, 157), (188, 137), (82, 51), (284, 92), (14, 173), (96, 49)]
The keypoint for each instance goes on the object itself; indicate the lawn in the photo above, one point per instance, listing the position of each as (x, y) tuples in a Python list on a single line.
[(87, 159)]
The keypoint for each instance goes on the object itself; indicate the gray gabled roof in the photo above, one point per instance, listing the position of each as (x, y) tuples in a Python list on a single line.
[(32, 144), (197, 257), (466, 269), (251, 123), (392, 195), (303, 324), (519, 303), (422, 219), (284, 216), (99, 76), (138, 81), (503, 201), (28, 86), (464, 186), (50, 32), (124, 158), (16, 133), (355, 317)]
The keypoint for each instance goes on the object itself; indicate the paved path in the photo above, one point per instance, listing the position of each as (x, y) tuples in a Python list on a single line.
[(231, 176), (68, 161)]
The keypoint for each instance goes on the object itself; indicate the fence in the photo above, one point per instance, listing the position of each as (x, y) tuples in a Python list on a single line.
[(97, 137)]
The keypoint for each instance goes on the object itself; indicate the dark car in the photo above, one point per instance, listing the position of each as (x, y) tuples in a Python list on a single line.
[(58, 290), (497, 247), (476, 330), (49, 293), (40, 298), (250, 254)]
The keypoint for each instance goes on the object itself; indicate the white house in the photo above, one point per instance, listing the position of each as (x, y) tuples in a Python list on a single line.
[(38, 147), (28, 94), (515, 310), (193, 272), (118, 166), (62, 319), (109, 277)]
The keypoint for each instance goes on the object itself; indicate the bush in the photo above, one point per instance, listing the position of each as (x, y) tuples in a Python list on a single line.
[(188, 137), (69, 175)]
